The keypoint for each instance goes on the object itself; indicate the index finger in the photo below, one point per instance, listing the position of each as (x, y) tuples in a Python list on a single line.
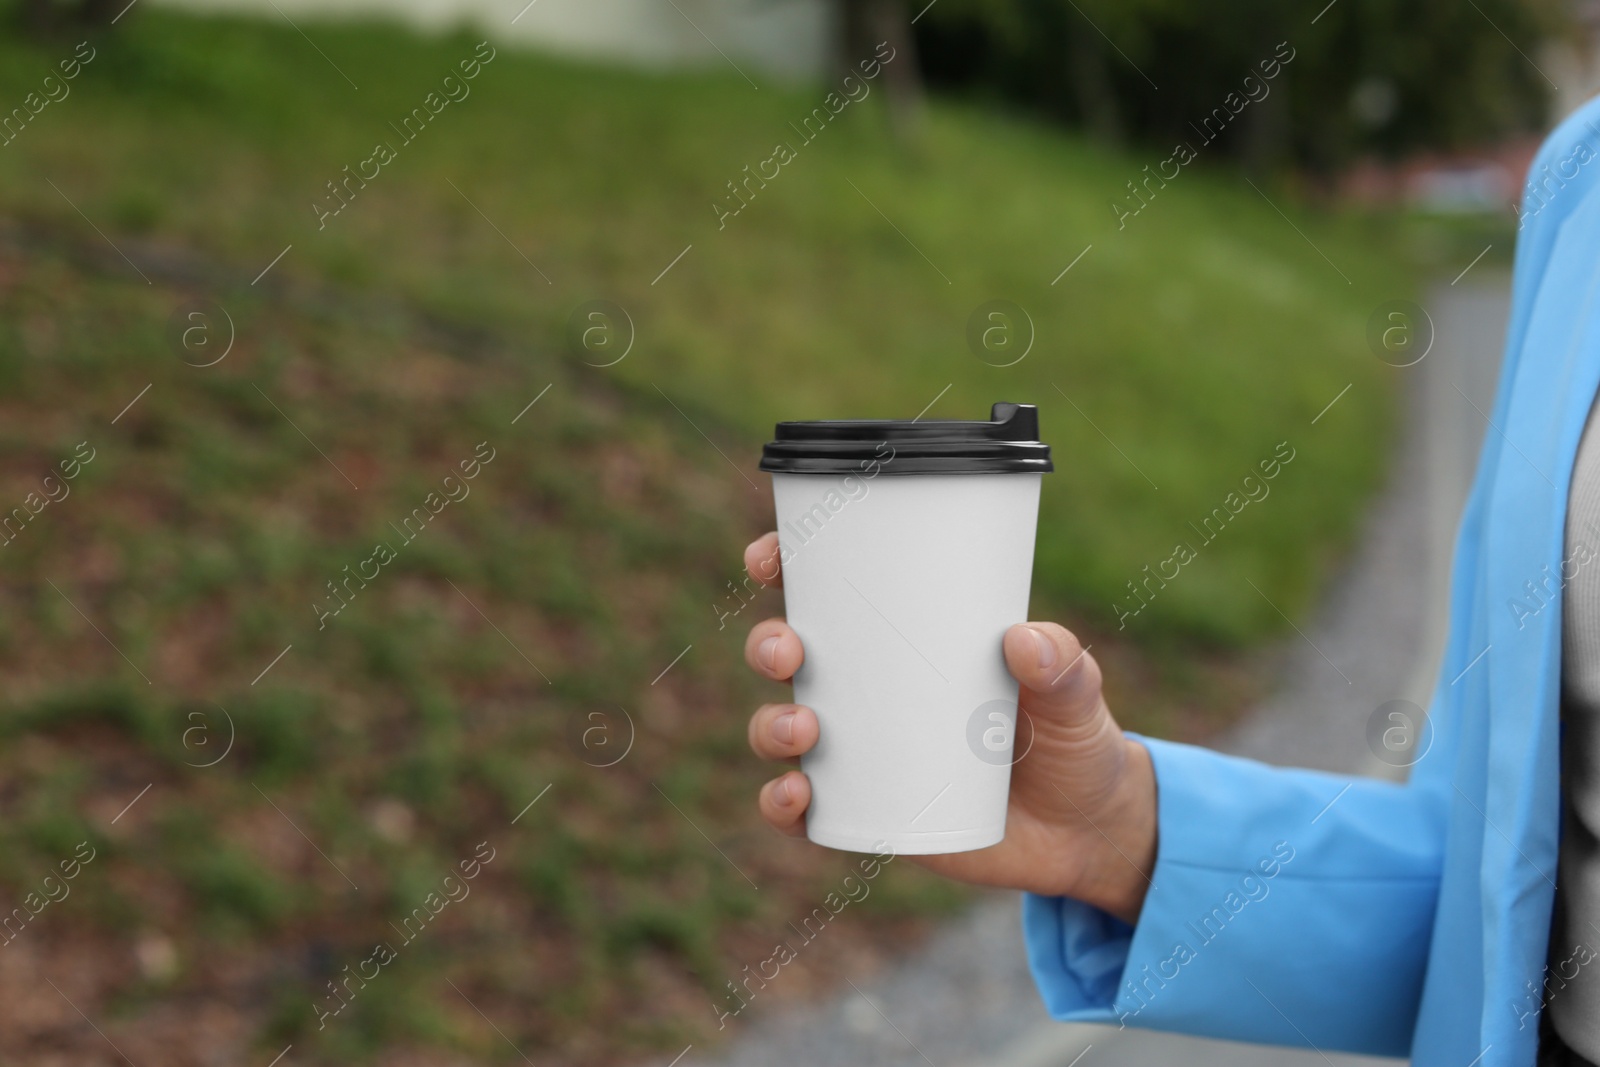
[(761, 559)]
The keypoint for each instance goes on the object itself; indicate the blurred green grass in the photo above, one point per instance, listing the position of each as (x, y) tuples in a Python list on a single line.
[(600, 541), (1195, 338)]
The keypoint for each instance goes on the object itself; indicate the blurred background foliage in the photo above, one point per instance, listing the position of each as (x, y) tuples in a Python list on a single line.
[(602, 543), (1368, 76)]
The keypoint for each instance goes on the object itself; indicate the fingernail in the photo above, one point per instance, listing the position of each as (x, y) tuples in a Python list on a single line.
[(783, 728), (1047, 647), (767, 653), (781, 795)]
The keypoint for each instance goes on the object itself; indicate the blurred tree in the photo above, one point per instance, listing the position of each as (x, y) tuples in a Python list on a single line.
[(1365, 75), (863, 25), (1076, 61), (46, 17)]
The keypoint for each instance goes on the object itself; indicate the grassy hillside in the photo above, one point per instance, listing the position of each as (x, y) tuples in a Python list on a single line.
[(1195, 337), (179, 595)]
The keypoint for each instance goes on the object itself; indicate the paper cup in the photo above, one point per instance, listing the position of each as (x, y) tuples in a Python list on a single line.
[(907, 552)]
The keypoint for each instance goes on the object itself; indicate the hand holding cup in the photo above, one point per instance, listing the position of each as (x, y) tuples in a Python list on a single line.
[(1081, 818)]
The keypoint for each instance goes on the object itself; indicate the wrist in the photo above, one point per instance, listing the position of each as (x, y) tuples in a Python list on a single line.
[(1119, 878)]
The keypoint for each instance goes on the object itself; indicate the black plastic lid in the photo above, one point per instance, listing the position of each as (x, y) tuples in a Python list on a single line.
[(1007, 444)]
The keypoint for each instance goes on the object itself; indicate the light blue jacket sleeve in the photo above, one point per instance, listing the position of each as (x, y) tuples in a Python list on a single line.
[(1286, 906)]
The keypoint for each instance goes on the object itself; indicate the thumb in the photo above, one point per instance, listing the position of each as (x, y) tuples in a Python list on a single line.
[(1060, 680)]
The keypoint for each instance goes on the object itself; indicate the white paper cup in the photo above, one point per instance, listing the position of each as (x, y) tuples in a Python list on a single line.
[(907, 552)]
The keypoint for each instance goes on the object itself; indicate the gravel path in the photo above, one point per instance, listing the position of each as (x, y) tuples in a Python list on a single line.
[(965, 998)]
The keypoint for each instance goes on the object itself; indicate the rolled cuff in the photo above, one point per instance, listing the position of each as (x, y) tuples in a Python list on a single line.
[(1286, 906)]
